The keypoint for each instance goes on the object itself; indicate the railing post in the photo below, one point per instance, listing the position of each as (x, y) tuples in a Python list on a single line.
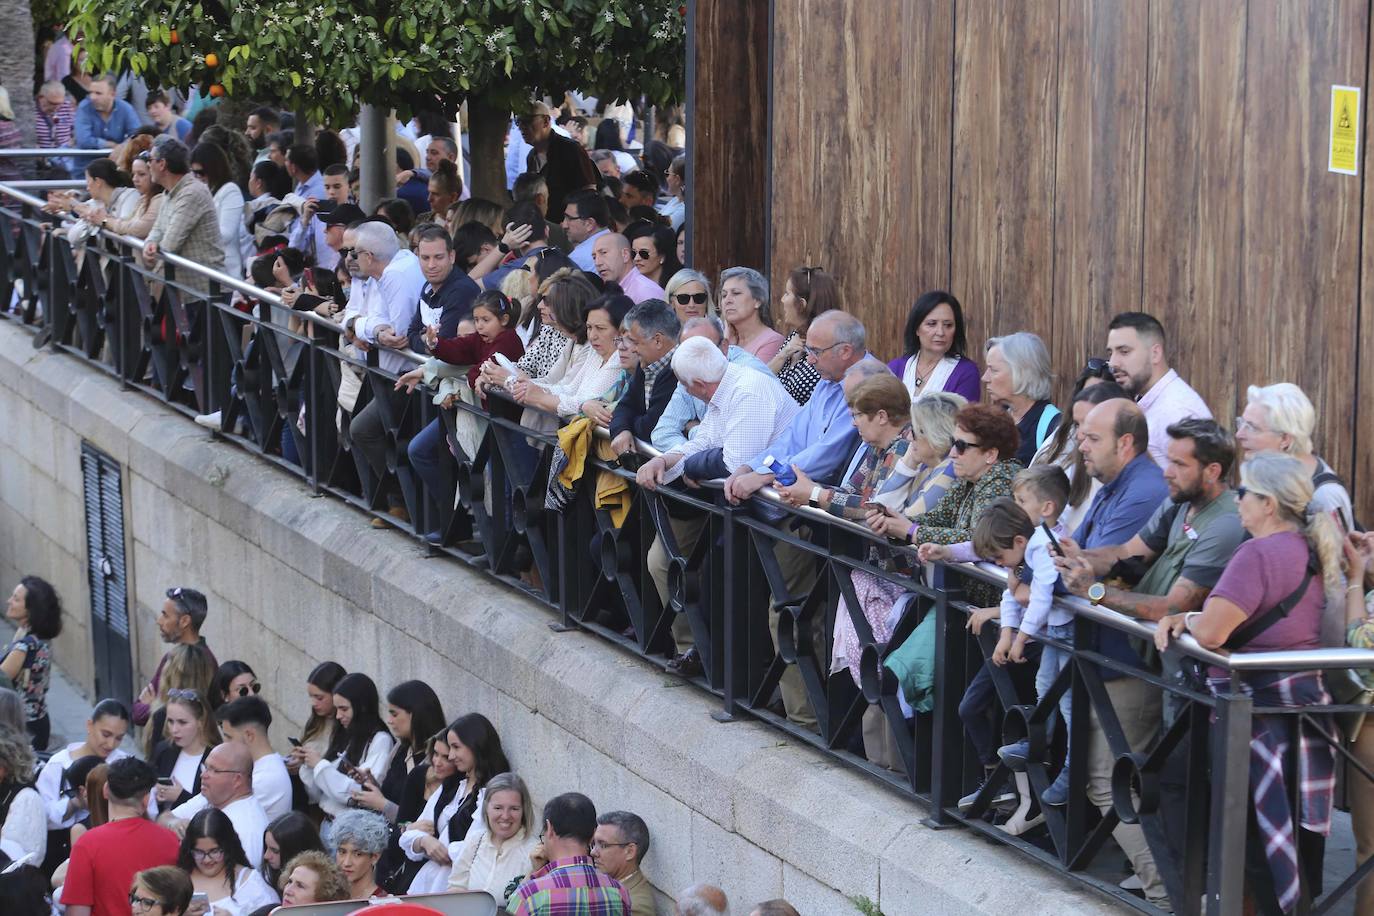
[(1230, 805), (731, 644), (947, 732)]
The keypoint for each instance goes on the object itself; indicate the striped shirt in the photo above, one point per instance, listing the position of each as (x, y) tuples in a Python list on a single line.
[(55, 131), (569, 887)]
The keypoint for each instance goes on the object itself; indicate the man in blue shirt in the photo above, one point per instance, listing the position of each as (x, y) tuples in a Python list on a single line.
[(819, 442), (585, 219), (103, 121)]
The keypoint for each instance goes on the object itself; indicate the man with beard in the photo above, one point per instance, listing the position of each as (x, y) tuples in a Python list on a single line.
[(178, 623), (1187, 543), (1135, 352), (261, 123)]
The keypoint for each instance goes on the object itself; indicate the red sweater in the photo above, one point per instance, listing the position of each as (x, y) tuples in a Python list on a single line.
[(472, 350)]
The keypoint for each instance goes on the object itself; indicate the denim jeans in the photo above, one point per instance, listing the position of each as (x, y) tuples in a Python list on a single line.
[(980, 703), (1052, 661), (428, 452)]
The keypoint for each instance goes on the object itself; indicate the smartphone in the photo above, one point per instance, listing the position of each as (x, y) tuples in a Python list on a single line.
[(325, 206), (505, 362), (295, 742), (200, 897), (165, 781), (1054, 542)]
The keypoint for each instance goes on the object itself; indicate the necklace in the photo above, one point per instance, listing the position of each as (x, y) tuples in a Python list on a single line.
[(922, 376)]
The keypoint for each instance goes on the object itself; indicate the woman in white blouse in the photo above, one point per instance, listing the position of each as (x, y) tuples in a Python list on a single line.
[(594, 368), (498, 850), (213, 856), (454, 813), (319, 729), (23, 822), (210, 165), (358, 752)]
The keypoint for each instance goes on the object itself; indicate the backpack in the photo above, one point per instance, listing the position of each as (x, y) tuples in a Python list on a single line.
[(1322, 478)]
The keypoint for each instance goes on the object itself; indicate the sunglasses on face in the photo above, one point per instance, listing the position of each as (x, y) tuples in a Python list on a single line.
[(642, 254), (960, 446), (684, 298), (255, 687)]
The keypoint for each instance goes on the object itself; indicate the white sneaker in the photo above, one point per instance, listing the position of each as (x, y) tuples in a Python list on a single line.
[(1132, 882), (210, 420)]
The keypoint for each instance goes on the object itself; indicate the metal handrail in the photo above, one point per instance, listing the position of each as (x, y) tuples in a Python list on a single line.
[(1287, 660), (32, 152)]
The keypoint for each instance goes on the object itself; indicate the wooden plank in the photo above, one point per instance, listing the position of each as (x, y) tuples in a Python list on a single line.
[(861, 148), (1194, 135), (728, 121), (1362, 465), (1301, 250), (1005, 106)]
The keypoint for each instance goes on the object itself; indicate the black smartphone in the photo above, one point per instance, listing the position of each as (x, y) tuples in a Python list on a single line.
[(1054, 542), (325, 206), (165, 781), (295, 742)]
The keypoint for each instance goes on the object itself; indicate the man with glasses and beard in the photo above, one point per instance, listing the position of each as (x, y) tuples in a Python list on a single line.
[(178, 621)]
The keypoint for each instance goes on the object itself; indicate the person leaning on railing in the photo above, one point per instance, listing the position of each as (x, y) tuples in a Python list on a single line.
[(1359, 617), (1271, 597), (150, 198), (187, 225)]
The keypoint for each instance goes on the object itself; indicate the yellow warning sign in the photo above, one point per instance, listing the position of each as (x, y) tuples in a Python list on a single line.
[(1345, 130)]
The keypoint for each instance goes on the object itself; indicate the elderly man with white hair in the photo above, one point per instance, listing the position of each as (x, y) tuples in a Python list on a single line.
[(1281, 418), (745, 410), (382, 320)]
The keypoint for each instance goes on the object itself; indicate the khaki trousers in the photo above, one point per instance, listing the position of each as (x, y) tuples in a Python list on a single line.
[(685, 532)]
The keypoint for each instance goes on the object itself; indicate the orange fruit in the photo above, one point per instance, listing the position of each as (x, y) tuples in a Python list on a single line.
[(175, 39), (212, 59), (216, 91)]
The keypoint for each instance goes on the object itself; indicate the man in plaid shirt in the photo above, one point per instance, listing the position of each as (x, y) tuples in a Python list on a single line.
[(187, 225), (569, 885)]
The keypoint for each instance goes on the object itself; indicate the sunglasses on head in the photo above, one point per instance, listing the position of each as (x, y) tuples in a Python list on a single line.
[(179, 694), (684, 298), (960, 446)]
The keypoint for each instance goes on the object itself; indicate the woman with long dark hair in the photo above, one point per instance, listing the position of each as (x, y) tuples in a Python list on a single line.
[(934, 357), (413, 713), (213, 856), (359, 751), (319, 727), (474, 750), (233, 679), (285, 838), (210, 164)]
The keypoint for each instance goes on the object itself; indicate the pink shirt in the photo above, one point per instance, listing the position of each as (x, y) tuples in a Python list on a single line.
[(639, 287), (1169, 400), (765, 344)]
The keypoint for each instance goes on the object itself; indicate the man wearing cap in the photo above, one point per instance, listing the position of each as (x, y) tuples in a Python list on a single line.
[(561, 160)]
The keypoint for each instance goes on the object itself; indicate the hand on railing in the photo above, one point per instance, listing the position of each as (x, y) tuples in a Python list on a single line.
[(797, 493), (650, 474), (744, 483), (411, 379), (977, 618), (622, 443), (888, 522), (386, 337), (150, 250), (598, 412)]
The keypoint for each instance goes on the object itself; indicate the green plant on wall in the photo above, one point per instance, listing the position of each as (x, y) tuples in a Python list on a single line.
[(865, 906)]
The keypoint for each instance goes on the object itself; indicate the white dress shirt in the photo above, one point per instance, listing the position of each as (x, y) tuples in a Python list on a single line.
[(748, 411), (392, 301), (247, 816), (271, 787)]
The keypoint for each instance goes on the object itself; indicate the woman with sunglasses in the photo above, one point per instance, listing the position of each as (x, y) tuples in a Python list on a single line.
[(357, 754), (689, 293), (162, 891), (654, 252), (213, 856), (808, 292), (934, 357), (179, 758), (233, 679)]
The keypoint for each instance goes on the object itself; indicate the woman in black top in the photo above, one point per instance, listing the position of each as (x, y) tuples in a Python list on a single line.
[(413, 713), (180, 757)]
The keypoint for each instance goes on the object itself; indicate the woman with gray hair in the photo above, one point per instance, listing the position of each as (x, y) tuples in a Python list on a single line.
[(1019, 379), (744, 306), (689, 293), (359, 838), (23, 822), (1281, 418), (1272, 596)]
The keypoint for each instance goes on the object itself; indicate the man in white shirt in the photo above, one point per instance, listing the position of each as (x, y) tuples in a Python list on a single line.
[(246, 721), (383, 320), (226, 783), (614, 264), (1135, 352)]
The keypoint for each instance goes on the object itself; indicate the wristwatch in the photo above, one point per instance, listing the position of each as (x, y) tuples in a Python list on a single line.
[(503, 247), (1096, 592), (815, 500)]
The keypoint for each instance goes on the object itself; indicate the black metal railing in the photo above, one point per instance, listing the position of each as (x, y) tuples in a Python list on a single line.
[(275, 376)]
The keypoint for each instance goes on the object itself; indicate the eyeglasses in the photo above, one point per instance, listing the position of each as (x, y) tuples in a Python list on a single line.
[(205, 854), (815, 352), (346, 252), (1243, 424), (621, 341), (642, 254), (684, 298), (255, 687), (960, 446), (597, 847), (218, 772), (567, 215), (143, 904)]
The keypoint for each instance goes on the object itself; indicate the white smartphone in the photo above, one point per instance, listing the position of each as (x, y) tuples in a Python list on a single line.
[(504, 362)]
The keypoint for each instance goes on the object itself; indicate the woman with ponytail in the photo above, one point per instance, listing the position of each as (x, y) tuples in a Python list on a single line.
[(1273, 596)]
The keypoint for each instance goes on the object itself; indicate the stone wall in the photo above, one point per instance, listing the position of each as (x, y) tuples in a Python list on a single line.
[(293, 580)]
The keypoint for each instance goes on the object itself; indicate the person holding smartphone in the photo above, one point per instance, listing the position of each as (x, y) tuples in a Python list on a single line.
[(361, 735)]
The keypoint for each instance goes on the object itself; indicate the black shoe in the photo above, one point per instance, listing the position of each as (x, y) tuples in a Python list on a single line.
[(688, 664)]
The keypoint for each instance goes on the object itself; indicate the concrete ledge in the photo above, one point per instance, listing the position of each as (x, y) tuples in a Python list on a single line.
[(294, 580)]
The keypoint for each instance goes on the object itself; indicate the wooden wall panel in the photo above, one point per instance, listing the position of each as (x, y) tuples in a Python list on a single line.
[(861, 137), (1005, 109), (1362, 467), (1298, 280), (1194, 137), (1099, 174), (728, 119)]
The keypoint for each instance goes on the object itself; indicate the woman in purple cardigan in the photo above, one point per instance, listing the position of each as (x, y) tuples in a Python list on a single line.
[(934, 358)]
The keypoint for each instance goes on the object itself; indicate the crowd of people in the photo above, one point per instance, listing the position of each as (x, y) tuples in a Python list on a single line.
[(380, 794), (568, 307)]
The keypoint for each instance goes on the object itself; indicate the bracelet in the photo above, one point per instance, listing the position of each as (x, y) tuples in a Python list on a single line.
[(1188, 620), (1353, 586)]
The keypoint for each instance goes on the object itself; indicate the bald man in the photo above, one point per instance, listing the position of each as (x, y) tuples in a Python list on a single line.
[(226, 783), (611, 255), (702, 900)]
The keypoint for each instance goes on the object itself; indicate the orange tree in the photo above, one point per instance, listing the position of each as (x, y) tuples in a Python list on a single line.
[(325, 57)]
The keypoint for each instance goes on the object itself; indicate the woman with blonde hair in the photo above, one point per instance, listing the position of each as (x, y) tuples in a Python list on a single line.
[(189, 667), (689, 293), (479, 210), (1272, 596), (190, 734), (504, 838), (312, 877), (23, 822), (1281, 418)]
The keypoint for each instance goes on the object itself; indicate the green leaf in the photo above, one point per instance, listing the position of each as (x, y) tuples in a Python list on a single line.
[(295, 79)]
